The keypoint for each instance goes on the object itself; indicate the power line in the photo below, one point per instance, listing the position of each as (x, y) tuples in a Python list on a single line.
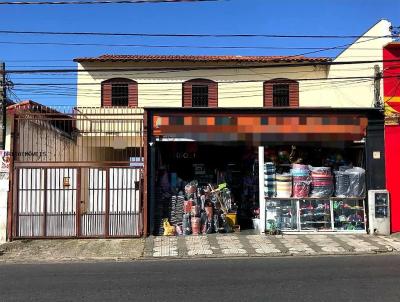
[(188, 35), (91, 2), (63, 77), (180, 82), (177, 69), (177, 46)]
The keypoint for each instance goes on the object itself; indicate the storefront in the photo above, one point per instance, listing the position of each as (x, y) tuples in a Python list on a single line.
[(205, 168)]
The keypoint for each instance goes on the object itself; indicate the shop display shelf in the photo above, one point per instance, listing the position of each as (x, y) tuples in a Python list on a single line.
[(312, 214)]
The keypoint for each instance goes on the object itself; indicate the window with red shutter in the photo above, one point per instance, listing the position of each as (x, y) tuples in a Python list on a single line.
[(281, 93), (119, 92), (200, 93)]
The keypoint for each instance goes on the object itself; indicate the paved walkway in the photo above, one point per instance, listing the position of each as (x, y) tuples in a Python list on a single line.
[(234, 245), (215, 245)]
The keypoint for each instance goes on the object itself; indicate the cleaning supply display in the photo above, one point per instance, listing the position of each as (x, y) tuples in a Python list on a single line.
[(322, 182), (301, 180), (269, 179), (283, 185)]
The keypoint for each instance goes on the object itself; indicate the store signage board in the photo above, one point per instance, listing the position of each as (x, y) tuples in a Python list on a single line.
[(201, 127)]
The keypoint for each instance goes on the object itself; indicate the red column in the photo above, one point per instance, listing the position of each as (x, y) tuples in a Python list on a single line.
[(392, 158)]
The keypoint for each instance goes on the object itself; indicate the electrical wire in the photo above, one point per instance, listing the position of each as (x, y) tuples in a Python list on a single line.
[(24, 32), (176, 46), (177, 69), (91, 2), (221, 82)]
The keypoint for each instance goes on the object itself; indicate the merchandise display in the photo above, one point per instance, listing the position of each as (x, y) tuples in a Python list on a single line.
[(349, 214), (283, 185), (315, 215), (322, 182), (270, 181), (314, 198), (350, 182), (301, 180), (201, 210), (281, 214)]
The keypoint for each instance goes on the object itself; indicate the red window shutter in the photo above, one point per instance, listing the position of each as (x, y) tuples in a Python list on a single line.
[(268, 94), (106, 94), (294, 94), (133, 94), (213, 95), (187, 94), (212, 92)]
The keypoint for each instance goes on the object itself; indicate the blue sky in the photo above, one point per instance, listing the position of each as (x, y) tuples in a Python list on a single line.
[(340, 17)]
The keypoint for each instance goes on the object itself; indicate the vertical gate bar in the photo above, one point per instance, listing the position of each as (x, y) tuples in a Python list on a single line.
[(44, 230), (107, 217), (12, 181), (30, 202), (15, 208), (146, 153), (57, 200), (78, 203)]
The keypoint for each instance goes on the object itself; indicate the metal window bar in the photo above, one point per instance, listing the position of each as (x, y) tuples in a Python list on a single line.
[(119, 94), (281, 95), (200, 96)]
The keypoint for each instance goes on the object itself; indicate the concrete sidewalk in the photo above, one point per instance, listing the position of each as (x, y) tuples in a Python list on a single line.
[(210, 246), (234, 245)]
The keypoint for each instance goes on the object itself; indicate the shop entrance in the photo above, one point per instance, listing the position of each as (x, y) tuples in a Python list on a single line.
[(206, 165), (188, 149)]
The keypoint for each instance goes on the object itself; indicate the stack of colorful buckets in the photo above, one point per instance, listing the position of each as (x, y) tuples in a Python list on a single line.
[(269, 179), (322, 182), (283, 185), (301, 180)]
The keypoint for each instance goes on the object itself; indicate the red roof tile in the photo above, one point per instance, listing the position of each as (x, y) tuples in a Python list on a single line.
[(189, 58)]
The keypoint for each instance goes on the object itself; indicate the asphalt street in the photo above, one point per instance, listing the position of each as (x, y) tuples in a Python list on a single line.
[(351, 278)]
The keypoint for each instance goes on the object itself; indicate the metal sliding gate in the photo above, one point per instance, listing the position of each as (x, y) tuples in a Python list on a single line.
[(78, 202)]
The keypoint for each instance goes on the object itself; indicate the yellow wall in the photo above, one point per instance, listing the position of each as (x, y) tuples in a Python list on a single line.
[(244, 87)]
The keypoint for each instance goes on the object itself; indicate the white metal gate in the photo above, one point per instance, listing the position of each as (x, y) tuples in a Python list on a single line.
[(78, 202), (46, 202)]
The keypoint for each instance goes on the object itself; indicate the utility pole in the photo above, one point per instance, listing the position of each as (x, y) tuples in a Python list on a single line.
[(377, 87), (3, 99)]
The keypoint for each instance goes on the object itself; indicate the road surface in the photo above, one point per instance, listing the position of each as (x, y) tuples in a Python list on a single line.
[(353, 278)]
